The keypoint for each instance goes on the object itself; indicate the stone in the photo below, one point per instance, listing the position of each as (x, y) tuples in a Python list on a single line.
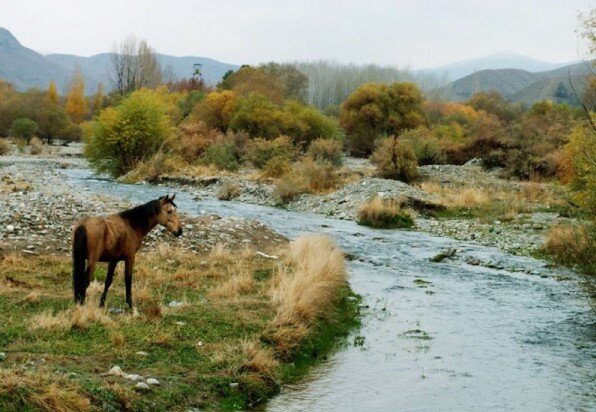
[(175, 304), (133, 377), (142, 386), (152, 381), (116, 371), (9, 228), (2, 356)]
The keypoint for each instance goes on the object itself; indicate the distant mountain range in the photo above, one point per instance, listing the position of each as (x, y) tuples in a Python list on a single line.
[(518, 78), (506, 60), (26, 68), (523, 86)]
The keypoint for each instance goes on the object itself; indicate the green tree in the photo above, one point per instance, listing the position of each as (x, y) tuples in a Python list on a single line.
[(24, 128), (375, 109), (129, 133)]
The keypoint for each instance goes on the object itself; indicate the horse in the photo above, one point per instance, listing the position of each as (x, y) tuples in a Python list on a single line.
[(116, 238)]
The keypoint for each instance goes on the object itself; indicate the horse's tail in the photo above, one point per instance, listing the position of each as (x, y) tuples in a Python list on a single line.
[(79, 254)]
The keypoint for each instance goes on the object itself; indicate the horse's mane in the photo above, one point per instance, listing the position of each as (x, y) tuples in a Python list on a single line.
[(140, 216)]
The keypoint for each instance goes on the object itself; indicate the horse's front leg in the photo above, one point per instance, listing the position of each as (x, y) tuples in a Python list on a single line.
[(128, 265), (109, 278)]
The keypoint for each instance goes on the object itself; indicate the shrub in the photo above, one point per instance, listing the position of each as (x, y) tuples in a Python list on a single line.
[(395, 160), (305, 124), (328, 150), (581, 149), (384, 214), (376, 109), (222, 154), (194, 139), (261, 151), (129, 133), (573, 245), (306, 176), (258, 116), (23, 128), (151, 169), (229, 191), (217, 110), (36, 146), (4, 147), (276, 167), (425, 145)]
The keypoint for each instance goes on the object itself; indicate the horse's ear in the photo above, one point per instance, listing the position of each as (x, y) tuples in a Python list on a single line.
[(173, 197)]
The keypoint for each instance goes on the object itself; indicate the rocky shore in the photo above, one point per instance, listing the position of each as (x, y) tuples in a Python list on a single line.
[(40, 207)]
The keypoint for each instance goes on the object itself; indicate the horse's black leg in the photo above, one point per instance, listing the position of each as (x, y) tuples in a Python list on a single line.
[(109, 278), (128, 264)]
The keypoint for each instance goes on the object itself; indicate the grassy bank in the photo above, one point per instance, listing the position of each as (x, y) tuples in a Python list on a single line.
[(218, 331)]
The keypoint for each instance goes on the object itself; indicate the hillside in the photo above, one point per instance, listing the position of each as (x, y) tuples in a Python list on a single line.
[(27, 68), (507, 60), (520, 85)]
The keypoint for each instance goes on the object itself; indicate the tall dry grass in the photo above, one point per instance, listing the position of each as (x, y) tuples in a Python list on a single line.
[(384, 214), (41, 390)]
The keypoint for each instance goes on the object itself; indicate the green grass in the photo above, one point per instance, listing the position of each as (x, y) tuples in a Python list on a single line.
[(191, 374)]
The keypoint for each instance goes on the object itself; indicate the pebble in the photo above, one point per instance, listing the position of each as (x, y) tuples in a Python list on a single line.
[(133, 377), (234, 385), (175, 304), (116, 371), (2, 356), (152, 381), (141, 353), (142, 386)]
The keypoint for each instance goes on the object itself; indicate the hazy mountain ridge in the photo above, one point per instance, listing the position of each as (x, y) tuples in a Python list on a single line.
[(26, 68), (522, 86)]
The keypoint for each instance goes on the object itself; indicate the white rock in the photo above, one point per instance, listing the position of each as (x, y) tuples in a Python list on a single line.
[(134, 377), (175, 304), (2, 356), (141, 353), (10, 228), (116, 371), (152, 381), (142, 386), (234, 385), (266, 256)]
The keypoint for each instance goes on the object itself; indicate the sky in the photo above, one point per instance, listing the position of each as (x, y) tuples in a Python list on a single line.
[(405, 33)]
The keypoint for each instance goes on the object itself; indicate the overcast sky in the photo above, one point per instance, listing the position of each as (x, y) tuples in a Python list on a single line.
[(418, 33)]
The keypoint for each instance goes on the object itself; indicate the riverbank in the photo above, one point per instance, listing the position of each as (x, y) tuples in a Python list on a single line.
[(219, 324)]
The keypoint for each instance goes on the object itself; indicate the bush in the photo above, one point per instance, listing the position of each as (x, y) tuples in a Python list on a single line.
[(276, 167), (258, 116), (23, 128), (133, 131), (573, 245), (260, 151), (376, 109), (36, 146), (222, 155), (4, 147), (217, 110), (328, 150), (151, 169), (425, 145), (395, 160), (384, 214), (306, 176), (229, 191), (305, 124), (194, 139), (581, 150)]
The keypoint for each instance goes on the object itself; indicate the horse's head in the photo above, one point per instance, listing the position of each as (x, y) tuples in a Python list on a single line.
[(168, 215)]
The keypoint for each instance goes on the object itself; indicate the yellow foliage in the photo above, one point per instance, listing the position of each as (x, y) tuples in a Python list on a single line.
[(76, 105), (53, 92)]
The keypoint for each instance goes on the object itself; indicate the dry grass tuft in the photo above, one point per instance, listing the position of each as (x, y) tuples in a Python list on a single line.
[(4, 147), (41, 390), (237, 285), (49, 321), (258, 359), (309, 289), (571, 244), (229, 191), (384, 214), (117, 338), (32, 297)]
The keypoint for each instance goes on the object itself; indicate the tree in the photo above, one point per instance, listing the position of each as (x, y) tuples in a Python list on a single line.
[(76, 105), (217, 109), (134, 65), (53, 92), (375, 110), (24, 128), (130, 132), (98, 99), (395, 160)]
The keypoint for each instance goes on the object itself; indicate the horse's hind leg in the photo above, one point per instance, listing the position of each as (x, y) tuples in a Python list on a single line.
[(128, 265), (109, 278)]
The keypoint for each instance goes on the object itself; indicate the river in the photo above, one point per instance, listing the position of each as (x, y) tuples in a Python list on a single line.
[(448, 336)]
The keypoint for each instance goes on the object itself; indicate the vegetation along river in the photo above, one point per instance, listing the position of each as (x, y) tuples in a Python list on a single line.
[(483, 330)]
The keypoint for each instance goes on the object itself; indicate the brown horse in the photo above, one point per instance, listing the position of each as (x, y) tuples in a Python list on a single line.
[(115, 238)]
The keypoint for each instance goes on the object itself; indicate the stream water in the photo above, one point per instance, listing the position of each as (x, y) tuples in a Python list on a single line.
[(448, 336)]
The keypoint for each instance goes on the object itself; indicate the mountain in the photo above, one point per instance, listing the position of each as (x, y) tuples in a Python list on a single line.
[(25, 68), (506, 60), (522, 86)]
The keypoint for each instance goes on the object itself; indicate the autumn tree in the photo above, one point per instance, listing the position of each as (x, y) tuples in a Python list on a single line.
[(53, 92), (98, 99), (134, 65), (76, 105), (375, 110)]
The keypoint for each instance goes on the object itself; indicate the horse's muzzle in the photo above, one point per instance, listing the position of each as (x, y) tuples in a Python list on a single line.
[(178, 232)]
